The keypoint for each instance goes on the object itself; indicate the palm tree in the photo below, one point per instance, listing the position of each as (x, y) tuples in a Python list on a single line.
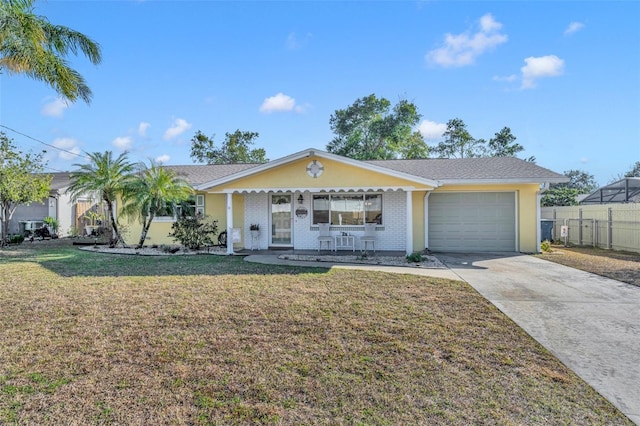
[(153, 190), (107, 178), (31, 45)]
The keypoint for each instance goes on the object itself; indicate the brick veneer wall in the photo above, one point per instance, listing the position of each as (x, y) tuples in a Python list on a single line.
[(391, 235)]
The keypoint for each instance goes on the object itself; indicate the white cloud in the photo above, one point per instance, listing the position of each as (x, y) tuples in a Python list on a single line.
[(431, 130), (123, 143), (142, 128), (180, 126), (508, 78), (70, 147), (294, 42), (573, 27), (584, 160), (163, 159), (488, 24), (542, 66), (463, 49), (279, 102), (55, 108)]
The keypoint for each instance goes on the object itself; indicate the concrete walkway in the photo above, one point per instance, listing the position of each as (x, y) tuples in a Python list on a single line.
[(271, 259), (590, 323)]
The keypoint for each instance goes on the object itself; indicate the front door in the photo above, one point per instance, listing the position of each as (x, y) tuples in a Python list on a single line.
[(281, 216)]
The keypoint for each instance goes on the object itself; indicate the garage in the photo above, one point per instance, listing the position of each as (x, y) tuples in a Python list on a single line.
[(472, 221)]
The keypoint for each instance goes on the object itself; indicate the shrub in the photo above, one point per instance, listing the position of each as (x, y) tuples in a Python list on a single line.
[(194, 232), (52, 223), (545, 246), (16, 239), (414, 257)]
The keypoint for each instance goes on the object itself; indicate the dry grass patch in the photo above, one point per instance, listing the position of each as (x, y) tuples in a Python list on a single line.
[(621, 266), (103, 339)]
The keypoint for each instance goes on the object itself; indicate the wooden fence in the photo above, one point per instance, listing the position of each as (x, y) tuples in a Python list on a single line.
[(609, 226)]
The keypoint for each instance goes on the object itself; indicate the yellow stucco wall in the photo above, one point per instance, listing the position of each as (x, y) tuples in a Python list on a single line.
[(215, 209), (526, 195), (417, 200), (336, 174)]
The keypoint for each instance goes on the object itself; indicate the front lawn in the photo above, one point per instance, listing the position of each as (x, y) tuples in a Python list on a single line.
[(89, 338)]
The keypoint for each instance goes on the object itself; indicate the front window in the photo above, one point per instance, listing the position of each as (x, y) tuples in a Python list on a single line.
[(373, 208), (347, 209), (166, 211), (193, 205), (320, 209)]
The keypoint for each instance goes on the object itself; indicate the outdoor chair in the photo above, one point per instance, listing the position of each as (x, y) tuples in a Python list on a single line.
[(324, 236), (369, 237)]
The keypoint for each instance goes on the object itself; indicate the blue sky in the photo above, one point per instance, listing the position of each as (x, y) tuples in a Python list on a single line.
[(564, 76)]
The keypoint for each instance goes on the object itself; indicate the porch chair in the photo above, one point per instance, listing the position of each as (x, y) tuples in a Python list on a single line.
[(324, 236), (368, 237)]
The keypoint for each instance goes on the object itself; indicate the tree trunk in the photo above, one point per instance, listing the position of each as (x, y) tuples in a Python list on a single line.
[(146, 224), (115, 233), (7, 214), (5, 224)]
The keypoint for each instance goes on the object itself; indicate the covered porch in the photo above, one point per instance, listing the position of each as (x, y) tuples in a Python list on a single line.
[(289, 220)]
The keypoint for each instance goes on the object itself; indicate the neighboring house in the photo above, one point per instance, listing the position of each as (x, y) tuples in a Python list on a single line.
[(58, 206), (474, 204)]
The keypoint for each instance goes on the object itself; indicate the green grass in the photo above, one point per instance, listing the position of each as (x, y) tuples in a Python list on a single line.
[(91, 338)]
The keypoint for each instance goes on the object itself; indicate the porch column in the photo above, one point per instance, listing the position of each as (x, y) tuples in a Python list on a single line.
[(426, 219), (409, 222), (538, 222), (229, 223)]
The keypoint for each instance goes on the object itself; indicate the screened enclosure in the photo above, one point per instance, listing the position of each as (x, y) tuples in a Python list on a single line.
[(626, 190)]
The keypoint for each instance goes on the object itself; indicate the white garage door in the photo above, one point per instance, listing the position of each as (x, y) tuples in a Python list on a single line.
[(472, 221)]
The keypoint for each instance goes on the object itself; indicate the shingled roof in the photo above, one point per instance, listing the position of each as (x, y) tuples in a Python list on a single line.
[(195, 174), (474, 170), (198, 174), (443, 170)]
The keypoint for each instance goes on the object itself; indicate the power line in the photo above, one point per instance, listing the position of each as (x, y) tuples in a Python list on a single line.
[(44, 143), (54, 170)]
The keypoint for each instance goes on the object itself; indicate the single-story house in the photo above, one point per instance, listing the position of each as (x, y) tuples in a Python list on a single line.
[(57, 205), (470, 204)]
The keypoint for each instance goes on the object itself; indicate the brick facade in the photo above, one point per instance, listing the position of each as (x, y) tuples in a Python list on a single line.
[(391, 235)]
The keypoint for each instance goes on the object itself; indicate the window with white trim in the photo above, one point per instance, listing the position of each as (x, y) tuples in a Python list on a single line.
[(193, 205), (347, 209)]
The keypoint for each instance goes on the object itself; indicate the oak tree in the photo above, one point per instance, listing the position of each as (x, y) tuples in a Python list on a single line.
[(371, 129), (235, 149)]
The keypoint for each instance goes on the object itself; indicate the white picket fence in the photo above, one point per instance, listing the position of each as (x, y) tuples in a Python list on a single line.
[(609, 226)]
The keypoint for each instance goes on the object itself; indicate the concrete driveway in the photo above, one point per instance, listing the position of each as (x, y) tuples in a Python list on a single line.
[(590, 323)]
